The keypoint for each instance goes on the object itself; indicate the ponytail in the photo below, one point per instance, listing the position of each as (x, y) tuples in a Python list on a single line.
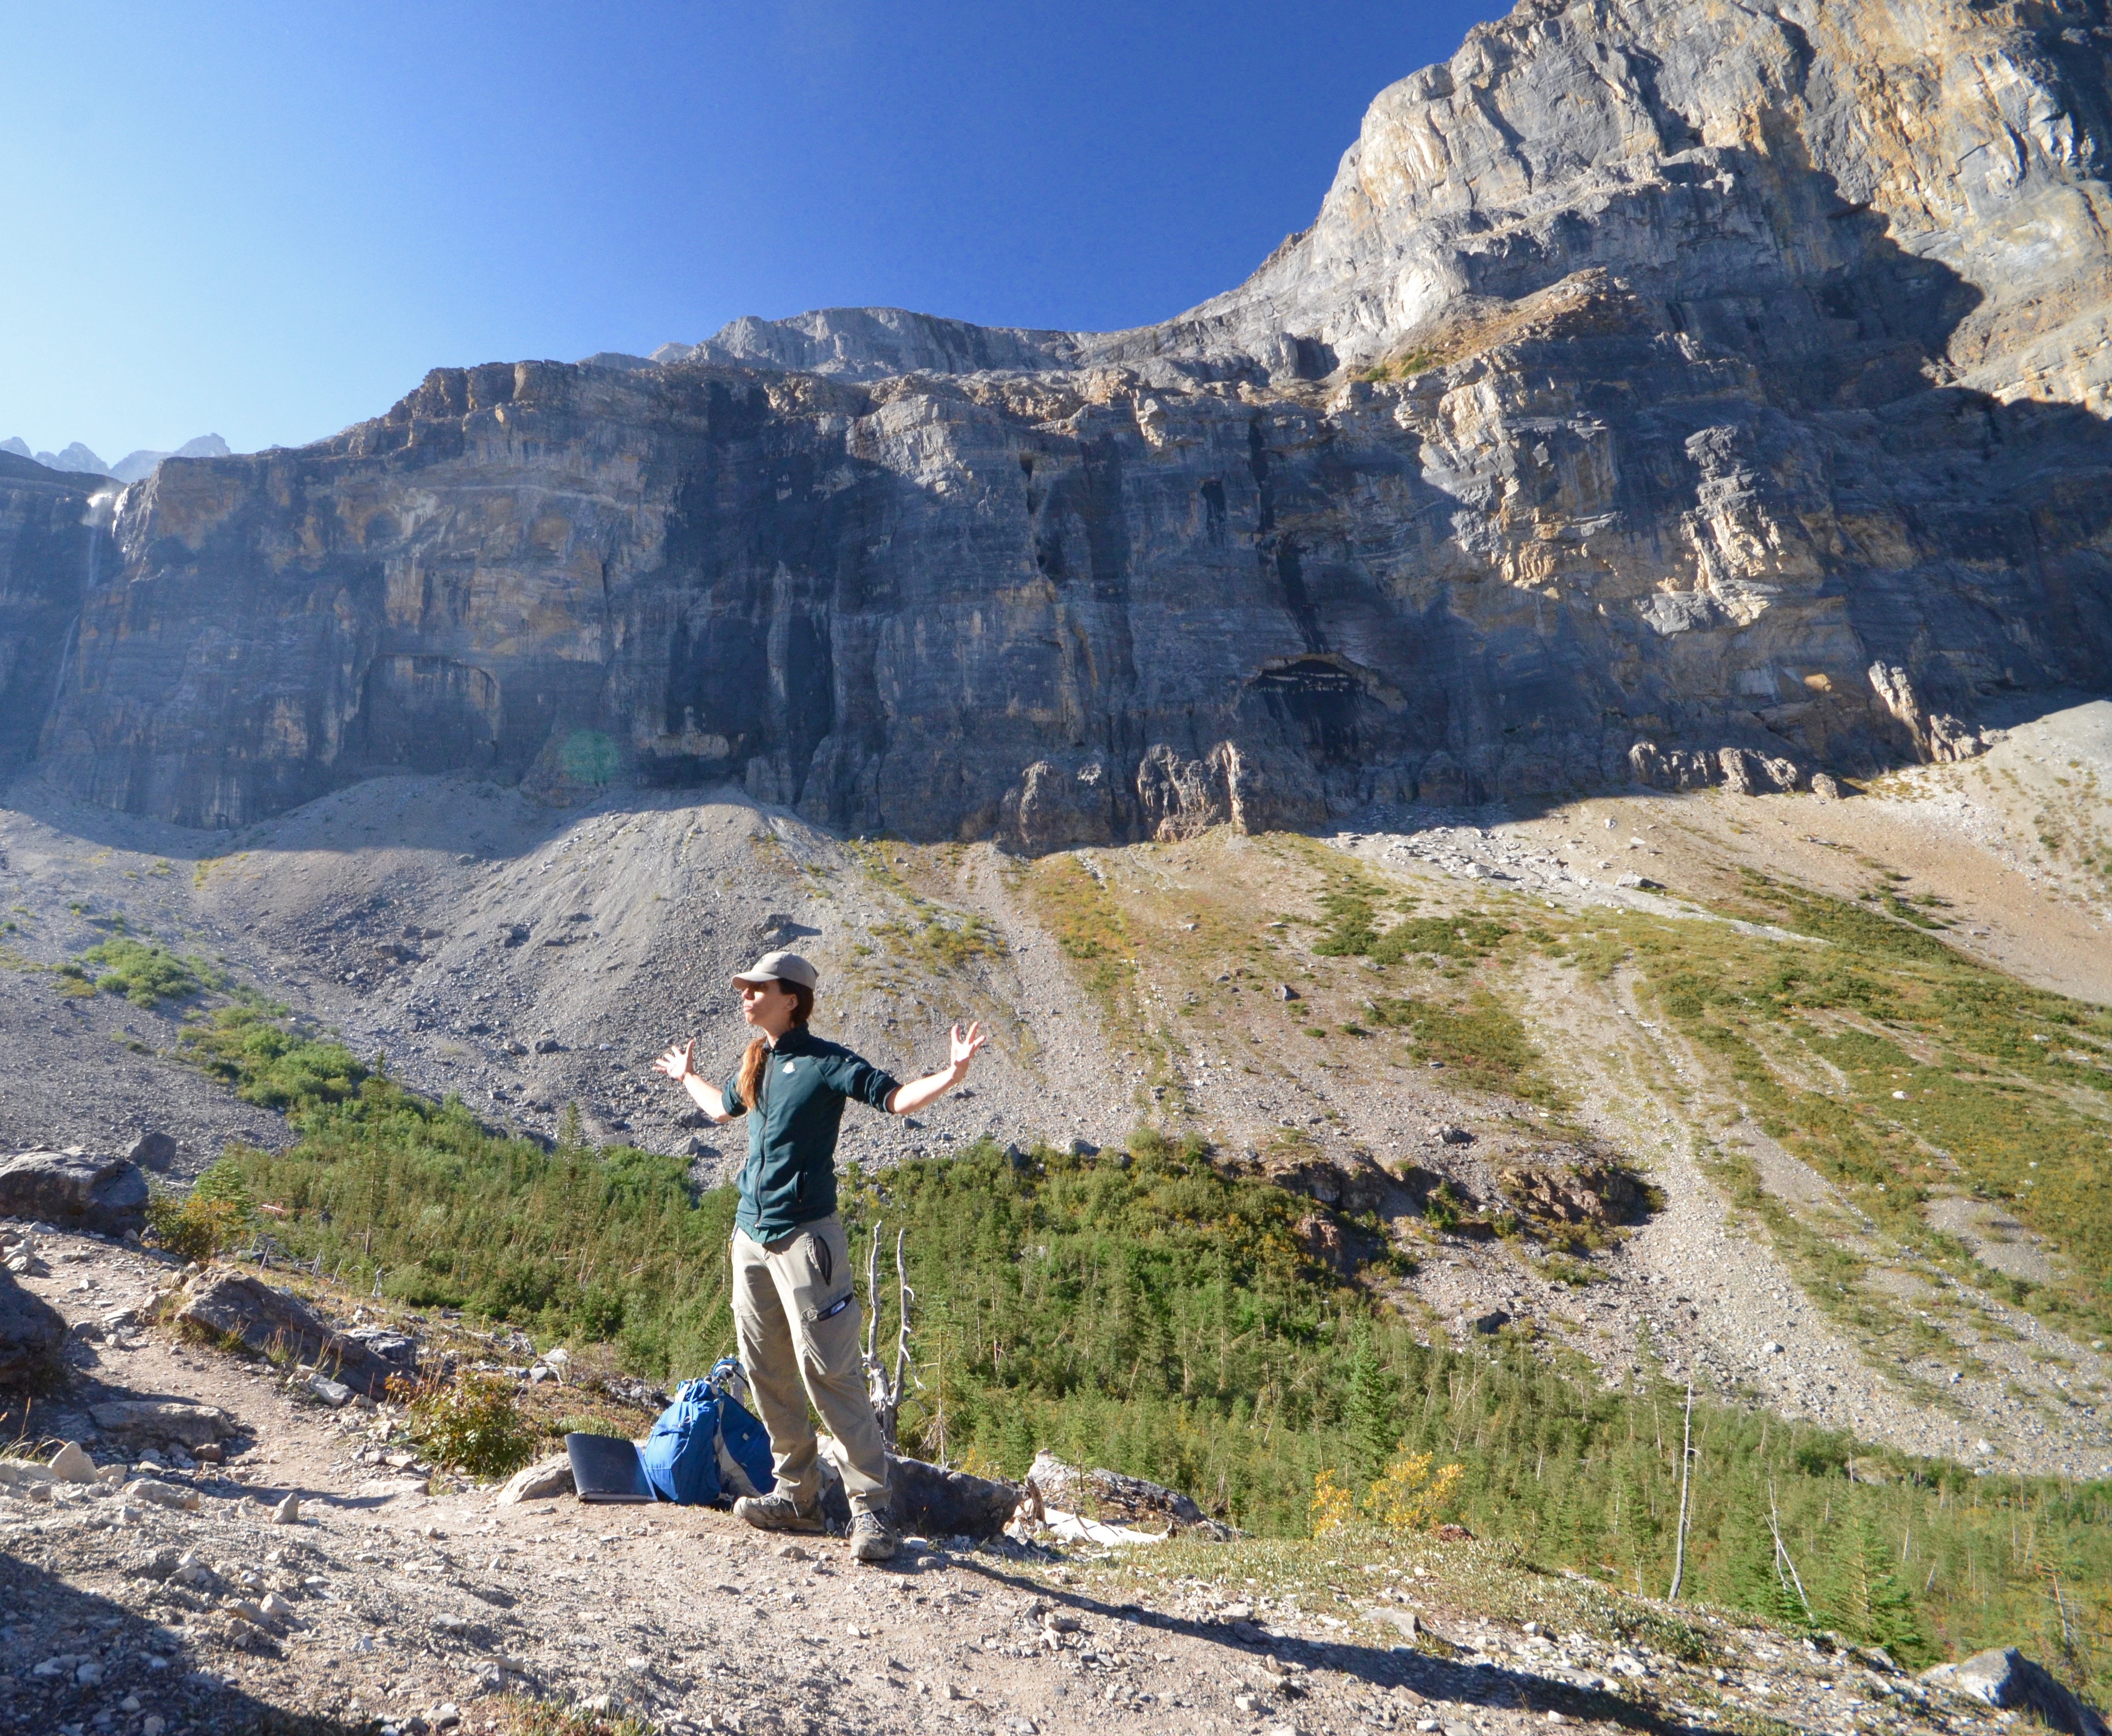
[(749, 1082)]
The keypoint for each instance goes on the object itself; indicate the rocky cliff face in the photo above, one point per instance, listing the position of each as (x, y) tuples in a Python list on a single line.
[(48, 547), (1681, 392)]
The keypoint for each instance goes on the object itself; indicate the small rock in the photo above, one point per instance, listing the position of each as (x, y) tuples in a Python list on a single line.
[(446, 1717), (552, 1477), (147, 1490), (1244, 1703), (1082, 1147), (1826, 786), (1771, 1348), (792, 1552), (71, 1463), (1285, 992), (1493, 1321), (276, 1607), (287, 1512), (333, 1393), (1447, 1135)]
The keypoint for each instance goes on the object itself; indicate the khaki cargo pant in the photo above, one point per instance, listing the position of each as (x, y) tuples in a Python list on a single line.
[(781, 1290)]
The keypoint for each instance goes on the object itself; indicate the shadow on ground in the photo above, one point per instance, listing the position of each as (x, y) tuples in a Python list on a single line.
[(72, 1660), (1434, 1678)]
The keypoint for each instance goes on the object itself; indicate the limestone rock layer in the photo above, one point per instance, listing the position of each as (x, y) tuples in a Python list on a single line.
[(1696, 392)]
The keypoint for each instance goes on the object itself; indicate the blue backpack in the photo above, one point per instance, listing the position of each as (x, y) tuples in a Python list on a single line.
[(706, 1447)]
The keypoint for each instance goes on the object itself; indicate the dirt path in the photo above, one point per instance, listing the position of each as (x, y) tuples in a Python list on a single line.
[(386, 1604)]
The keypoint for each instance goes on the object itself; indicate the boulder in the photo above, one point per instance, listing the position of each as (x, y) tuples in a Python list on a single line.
[(31, 1332), (75, 1192), (152, 1151), (938, 1502), (234, 1306), (2005, 1679), (1112, 1498)]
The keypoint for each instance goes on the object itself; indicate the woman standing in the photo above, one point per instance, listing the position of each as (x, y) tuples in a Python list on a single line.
[(795, 1311)]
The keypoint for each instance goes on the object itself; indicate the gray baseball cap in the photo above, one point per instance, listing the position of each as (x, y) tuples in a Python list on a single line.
[(780, 967)]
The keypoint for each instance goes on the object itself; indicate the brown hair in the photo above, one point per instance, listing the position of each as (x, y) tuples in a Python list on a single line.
[(750, 1079)]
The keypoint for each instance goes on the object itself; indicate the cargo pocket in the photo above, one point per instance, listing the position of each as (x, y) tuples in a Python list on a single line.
[(829, 1336)]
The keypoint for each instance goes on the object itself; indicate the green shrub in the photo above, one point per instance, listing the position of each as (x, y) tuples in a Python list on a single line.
[(268, 1063), (472, 1423), (145, 973), (192, 1228)]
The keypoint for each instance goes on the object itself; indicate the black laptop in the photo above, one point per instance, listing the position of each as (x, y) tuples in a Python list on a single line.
[(605, 1467)]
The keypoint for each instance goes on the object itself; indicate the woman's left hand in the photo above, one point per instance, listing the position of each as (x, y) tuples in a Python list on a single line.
[(965, 1047)]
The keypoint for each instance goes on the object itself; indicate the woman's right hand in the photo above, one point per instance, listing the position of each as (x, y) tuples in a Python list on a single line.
[(676, 1063)]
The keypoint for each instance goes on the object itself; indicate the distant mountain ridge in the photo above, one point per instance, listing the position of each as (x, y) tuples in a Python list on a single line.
[(134, 466)]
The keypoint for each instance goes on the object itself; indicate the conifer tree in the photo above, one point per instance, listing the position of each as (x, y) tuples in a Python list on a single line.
[(1373, 1411)]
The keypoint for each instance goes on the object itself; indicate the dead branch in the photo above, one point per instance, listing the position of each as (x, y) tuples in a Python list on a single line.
[(886, 1392)]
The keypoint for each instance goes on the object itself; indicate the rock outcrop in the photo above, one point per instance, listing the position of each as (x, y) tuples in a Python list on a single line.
[(1691, 397), (32, 1333)]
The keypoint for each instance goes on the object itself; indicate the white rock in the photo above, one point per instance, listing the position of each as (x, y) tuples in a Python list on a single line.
[(72, 1464), (287, 1512), (552, 1477), (162, 1494)]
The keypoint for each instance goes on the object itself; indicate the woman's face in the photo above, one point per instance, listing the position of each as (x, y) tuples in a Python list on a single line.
[(766, 1005)]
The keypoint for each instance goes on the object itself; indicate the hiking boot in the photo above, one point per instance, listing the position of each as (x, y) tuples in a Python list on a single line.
[(872, 1538), (778, 1511)]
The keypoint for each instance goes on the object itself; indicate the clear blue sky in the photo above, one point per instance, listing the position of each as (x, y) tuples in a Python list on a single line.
[(268, 220)]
